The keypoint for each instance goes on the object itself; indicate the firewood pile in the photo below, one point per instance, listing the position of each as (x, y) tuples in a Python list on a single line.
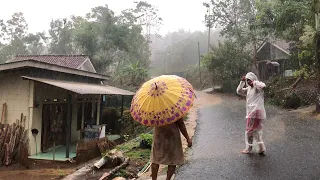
[(13, 141), (104, 144)]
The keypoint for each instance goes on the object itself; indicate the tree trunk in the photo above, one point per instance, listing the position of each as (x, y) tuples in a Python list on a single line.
[(254, 67)]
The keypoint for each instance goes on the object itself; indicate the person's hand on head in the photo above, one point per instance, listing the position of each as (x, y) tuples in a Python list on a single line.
[(243, 78)]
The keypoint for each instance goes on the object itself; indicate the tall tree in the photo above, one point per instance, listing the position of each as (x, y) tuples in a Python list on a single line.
[(148, 18), (13, 33), (36, 43), (238, 19), (61, 37), (317, 48)]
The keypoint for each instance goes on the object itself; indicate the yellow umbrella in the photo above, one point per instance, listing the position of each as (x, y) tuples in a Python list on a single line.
[(162, 100)]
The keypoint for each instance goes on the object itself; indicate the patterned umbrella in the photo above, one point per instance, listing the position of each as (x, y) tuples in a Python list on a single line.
[(162, 100)]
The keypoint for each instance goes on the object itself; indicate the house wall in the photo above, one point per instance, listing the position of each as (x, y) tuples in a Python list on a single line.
[(87, 66), (270, 52), (278, 54), (17, 94)]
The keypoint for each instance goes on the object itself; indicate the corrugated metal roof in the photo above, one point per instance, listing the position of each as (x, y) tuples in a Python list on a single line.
[(69, 61), (82, 88)]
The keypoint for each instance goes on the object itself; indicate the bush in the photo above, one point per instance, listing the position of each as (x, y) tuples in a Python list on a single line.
[(292, 101), (229, 86), (146, 141), (129, 126)]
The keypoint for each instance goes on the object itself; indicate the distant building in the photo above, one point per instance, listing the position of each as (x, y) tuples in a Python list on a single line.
[(273, 51)]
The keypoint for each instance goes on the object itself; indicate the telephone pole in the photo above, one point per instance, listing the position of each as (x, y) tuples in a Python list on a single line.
[(199, 64)]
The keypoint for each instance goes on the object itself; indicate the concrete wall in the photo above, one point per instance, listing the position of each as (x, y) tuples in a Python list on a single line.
[(17, 94)]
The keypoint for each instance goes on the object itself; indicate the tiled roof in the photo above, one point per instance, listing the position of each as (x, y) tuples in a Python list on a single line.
[(69, 61)]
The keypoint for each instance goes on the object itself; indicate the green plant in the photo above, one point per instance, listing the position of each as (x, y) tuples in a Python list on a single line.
[(292, 101), (130, 126), (275, 102), (186, 117), (121, 173), (61, 172), (147, 139), (304, 71)]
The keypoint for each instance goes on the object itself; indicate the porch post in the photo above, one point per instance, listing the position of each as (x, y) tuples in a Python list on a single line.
[(122, 103), (101, 109), (68, 126), (98, 110)]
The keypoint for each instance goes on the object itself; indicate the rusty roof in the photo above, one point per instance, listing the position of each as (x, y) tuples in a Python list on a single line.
[(82, 88), (69, 61)]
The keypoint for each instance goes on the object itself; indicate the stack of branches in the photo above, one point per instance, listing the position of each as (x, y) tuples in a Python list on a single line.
[(13, 141)]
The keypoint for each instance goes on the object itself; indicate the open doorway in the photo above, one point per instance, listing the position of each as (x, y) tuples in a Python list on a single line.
[(53, 125)]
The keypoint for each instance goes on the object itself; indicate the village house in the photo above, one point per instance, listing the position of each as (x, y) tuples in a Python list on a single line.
[(276, 52), (59, 95)]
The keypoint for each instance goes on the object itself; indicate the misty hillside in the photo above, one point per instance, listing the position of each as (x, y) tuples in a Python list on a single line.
[(174, 52)]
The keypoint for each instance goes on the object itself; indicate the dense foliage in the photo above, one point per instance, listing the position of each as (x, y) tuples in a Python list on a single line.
[(115, 43)]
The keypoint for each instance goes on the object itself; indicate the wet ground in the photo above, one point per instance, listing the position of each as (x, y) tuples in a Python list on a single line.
[(292, 142)]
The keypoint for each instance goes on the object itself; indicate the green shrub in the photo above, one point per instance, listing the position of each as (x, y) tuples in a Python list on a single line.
[(292, 101), (129, 126), (146, 140), (229, 86), (275, 102)]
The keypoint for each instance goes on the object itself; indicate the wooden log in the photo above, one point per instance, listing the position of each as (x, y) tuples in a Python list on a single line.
[(7, 154), (23, 149), (5, 140), (294, 85), (3, 116), (106, 175)]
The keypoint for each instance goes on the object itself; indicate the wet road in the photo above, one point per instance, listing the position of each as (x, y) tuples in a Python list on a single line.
[(292, 142)]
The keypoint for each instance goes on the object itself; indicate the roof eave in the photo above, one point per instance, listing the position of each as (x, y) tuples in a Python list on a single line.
[(52, 67)]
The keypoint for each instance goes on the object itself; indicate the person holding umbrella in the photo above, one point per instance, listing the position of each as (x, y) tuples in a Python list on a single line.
[(256, 113), (162, 103)]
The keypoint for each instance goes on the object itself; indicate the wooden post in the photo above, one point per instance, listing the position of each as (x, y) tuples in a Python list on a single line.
[(68, 126), (54, 151), (98, 110), (122, 104), (101, 108)]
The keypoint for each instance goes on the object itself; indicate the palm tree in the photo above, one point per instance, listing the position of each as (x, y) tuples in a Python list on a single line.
[(135, 73)]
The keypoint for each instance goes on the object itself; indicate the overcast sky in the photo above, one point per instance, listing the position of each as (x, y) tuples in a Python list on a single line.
[(176, 14)]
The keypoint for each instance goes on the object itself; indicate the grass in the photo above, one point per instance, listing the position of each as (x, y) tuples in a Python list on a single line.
[(136, 154), (131, 149), (129, 145)]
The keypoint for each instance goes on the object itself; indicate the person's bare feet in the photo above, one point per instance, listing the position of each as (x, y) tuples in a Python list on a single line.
[(245, 151)]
